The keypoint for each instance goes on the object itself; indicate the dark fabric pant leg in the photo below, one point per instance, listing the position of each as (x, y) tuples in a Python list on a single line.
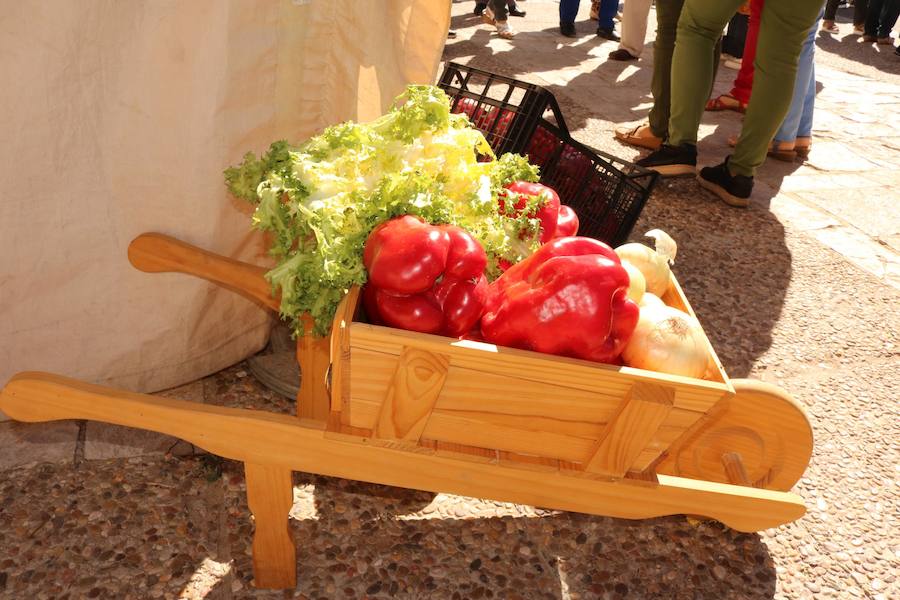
[(608, 10), (733, 42), (873, 16), (831, 9), (568, 10), (499, 8), (890, 10), (860, 11)]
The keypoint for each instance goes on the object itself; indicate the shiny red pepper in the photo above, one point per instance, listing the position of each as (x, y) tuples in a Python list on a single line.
[(568, 298), (424, 277), (567, 224), (547, 213)]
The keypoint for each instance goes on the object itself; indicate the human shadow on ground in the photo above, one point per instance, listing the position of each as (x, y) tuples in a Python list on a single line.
[(383, 541), (519, 61), (848, 45)]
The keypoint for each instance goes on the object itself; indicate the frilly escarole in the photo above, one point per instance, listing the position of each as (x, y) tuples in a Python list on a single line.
[(321, 199)]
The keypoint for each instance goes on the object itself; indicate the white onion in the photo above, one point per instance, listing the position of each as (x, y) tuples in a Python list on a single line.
[(637, 285), (653, 264), (667, 340), (649, 300)]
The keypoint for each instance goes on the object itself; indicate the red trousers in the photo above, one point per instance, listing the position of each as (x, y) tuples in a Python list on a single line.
[(743, 83)]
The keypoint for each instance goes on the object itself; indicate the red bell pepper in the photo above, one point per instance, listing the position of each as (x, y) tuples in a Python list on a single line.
[(541, 146), (568, 298), (547, 212), (567, 224), (424, 277)]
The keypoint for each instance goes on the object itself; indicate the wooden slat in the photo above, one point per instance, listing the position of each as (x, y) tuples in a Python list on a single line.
[(417, 382), (270, 497), (370, 377), (448, 427), (463, 452), (159, 253), (528, 461), (528, 366), (339, 349), (314, 357), (280, 441), (504, 412), (631, 429)]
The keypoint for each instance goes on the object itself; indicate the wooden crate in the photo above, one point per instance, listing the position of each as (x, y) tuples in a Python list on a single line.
[(427, 393)]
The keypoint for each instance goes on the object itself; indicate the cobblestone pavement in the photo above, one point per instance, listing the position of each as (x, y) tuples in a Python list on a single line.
[(801, 290)]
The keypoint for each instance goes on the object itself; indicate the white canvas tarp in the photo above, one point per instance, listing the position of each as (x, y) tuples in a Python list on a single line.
[(118, 118)]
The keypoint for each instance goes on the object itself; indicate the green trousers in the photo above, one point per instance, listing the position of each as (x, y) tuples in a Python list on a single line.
[(783, 27), (667, 14)]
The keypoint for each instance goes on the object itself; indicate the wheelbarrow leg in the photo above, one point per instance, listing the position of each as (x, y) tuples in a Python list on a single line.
[(270, 496)]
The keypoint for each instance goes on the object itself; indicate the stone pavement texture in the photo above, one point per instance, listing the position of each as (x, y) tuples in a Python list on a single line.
[(802, 290)]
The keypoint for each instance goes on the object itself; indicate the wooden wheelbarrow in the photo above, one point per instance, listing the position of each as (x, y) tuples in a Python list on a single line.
[(426, 412)]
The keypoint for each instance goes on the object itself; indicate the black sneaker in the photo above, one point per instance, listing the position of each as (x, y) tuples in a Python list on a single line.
[(672, 161), (733, 189), (622, 54), (567, 29), (515, 12), (607, 34), (479, 8)]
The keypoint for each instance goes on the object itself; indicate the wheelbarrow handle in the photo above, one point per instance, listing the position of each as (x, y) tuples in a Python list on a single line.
[(159, 253)]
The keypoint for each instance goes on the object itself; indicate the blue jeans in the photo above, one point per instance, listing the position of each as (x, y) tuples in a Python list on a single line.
[(798, 121), (568, 10)]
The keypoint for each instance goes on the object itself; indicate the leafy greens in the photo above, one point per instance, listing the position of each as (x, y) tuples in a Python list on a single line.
[(321, 199)]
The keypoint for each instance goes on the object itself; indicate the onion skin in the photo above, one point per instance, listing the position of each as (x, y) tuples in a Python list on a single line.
[(653, 266), (637, 285), (667, 340), (649, 300)]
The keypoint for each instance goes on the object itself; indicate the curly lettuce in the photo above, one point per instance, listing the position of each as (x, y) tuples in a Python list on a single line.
[(321, 199)]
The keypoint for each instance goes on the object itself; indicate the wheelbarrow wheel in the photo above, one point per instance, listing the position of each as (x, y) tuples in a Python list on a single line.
[(759, 437)]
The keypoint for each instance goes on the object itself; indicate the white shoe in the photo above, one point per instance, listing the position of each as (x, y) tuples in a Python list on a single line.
[(505, 31), (733, 63)]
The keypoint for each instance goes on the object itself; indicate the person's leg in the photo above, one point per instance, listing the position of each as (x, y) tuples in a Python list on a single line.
[(830, 11), (499, 9), (860, 12), (634, 26), (699, 27), (889, 13), (667, 13), (605, 24), (743, 83), (873, 16), (801, 103), (736, 36), (568, 10), (783, 29), (513, 9)]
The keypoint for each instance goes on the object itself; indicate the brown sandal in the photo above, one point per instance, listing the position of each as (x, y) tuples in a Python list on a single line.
[(717, 104), (783, 154), (640, 136), (804, 149)]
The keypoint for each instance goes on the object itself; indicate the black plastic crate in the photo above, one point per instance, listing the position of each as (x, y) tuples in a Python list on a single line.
[(606, 193)]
